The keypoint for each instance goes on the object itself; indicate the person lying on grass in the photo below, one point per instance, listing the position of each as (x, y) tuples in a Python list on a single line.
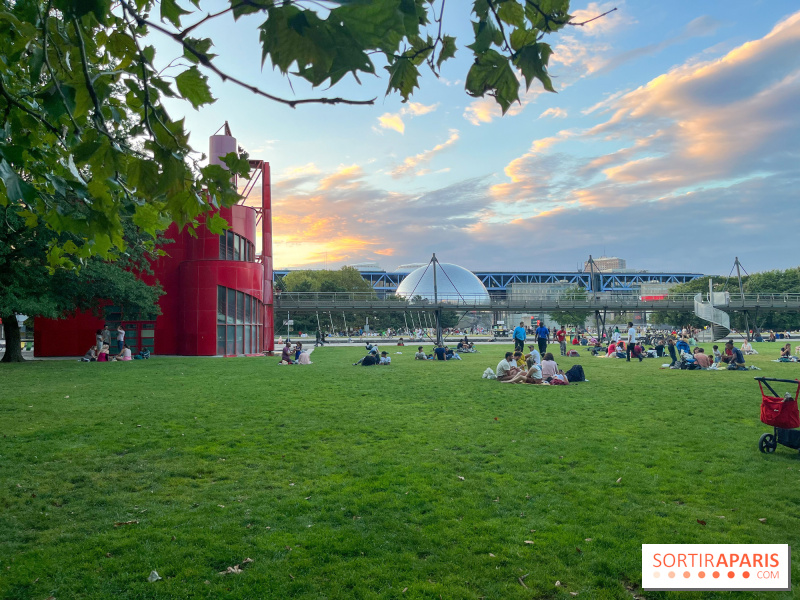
[(385, 358), (369, 360)]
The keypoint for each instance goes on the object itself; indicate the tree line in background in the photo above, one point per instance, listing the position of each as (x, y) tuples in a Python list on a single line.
[(767, 282), (346, 279)]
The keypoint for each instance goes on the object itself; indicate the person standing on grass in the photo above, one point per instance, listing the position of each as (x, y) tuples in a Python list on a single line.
[(561, 336), (617, 336), (542, 335), (631, 341), (98, 340), (120, 337), (519, 336), (106, 335)]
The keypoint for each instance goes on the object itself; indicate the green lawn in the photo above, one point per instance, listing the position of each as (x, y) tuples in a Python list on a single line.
[(419, 480)]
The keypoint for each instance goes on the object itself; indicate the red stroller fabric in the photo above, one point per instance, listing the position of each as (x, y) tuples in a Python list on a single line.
[(779, 412)]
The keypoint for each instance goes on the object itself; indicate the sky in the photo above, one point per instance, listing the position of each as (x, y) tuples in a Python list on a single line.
[(673, 141)]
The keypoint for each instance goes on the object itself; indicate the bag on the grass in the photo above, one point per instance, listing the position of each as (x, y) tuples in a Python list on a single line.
[(780, 412), (575, 374), (489, 373), (573, 353)]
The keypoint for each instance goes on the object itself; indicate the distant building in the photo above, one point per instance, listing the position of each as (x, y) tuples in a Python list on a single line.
[(366, 266), (605, 264)]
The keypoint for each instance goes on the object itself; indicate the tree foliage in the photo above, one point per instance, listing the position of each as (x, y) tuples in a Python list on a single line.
[(27, 286), (575, 316), (766, 282), (87, 146)]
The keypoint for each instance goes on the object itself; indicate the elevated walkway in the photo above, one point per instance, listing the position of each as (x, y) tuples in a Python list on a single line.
[(365, 301)]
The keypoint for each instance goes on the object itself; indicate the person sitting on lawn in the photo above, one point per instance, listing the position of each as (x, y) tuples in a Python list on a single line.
[(747, 348), (533, 357), (620, 353), (286, 354), (702, 359), (91, 354), (420, 355), (786, 351), (125, 354), (439, 353), (102, 356), (506, 368), (717, 355), (400, 342), (638, 352), (772, 337), (612, 349), (519, 359), (304, 359), (736, 361), (549, 366), (385, 358)]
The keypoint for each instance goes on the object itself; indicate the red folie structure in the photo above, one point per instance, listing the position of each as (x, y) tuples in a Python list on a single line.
[(218, 290)]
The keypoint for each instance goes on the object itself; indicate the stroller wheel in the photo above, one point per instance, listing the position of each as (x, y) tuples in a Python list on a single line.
[(767, 443)]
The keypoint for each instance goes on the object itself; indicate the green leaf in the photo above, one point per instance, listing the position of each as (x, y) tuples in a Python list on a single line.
[(530, 62), (202, 46), (193, 86), (492, 73), (447, 51), (78, 8), (216, 224), (147, 218), (512, 13), (403, 76), (172, 12), (16, 189)]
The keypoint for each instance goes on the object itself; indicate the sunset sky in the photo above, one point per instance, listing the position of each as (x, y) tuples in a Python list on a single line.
[(673, 142)]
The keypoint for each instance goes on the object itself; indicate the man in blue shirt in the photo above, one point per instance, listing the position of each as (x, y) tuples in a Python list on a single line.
[(737, 358), (519, 336), (542, 334), (440, 353)]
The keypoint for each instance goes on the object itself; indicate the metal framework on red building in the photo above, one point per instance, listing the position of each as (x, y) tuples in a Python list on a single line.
[(260, 171)]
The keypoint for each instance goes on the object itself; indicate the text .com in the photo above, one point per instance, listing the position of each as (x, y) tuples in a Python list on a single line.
[(716, 567)]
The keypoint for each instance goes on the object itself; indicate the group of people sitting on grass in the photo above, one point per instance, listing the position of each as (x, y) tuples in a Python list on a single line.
[(294, 355), (372, 358), (440, 352), (101, 351), (697, 358), (517, 367)]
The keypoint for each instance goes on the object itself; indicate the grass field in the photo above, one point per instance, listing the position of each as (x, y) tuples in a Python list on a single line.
[(418, 480)]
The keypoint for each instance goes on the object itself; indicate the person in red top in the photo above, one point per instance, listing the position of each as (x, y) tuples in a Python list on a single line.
[(561, 336)]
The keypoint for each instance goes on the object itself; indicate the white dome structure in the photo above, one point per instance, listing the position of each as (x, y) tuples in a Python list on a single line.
[(454, 284)]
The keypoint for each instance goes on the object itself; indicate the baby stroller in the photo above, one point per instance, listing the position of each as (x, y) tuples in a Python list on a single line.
[(781, 412)]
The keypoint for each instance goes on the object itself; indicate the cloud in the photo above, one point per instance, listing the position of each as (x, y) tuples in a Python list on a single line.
[(409, 165), (555, 112), (711, 142), (699, 27), (603, 26), (395, 121), (702, 126)]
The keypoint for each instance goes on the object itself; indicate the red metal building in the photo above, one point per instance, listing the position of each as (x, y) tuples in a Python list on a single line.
[(218, 290)]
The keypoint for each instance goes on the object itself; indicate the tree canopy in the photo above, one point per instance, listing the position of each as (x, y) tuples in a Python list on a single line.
[(28, 287), (87, 145)]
